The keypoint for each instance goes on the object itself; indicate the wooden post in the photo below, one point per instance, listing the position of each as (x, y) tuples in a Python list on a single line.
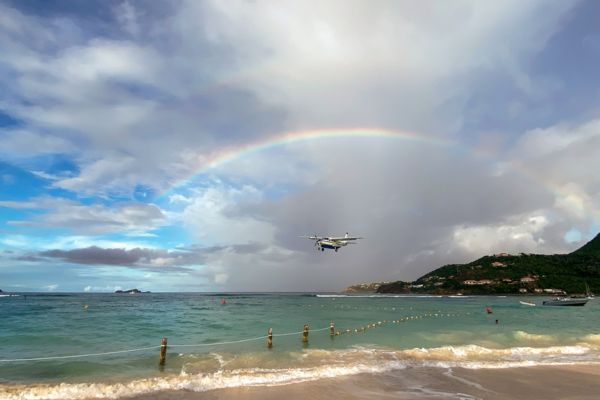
[(163, 351), (331, 330), (305, 334), (270, 338)]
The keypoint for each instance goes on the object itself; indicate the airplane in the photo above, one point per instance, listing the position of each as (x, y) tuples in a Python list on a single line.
[(333, 243)]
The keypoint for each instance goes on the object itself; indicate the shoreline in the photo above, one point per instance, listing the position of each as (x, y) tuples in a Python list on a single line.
[(574, 382)]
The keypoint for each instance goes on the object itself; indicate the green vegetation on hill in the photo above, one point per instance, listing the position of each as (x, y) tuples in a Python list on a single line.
[(512, 274)]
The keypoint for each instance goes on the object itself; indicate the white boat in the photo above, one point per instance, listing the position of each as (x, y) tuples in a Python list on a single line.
[(566, 301), (526, 303)]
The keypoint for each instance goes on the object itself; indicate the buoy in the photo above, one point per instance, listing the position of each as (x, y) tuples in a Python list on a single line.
[(223, 301), (488, 310)]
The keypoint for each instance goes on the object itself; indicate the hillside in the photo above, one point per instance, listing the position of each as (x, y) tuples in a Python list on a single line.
[(364, 287), (512, 274)]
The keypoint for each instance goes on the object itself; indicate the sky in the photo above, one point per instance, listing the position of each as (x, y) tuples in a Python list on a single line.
[(187, 145)]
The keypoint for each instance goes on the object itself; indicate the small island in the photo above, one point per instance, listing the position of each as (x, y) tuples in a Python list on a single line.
[(503, 273), (130, 291)]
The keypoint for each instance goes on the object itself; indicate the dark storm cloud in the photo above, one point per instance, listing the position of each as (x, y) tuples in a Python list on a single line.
[(135, 258), (140, 257), (98, 256)]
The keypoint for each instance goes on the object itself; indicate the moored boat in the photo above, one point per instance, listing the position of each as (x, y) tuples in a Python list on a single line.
[(565, 301)]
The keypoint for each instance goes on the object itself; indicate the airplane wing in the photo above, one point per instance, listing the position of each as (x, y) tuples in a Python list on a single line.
[(341, 239), (315, 237)]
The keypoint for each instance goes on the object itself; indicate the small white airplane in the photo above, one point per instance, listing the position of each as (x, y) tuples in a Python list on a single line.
[(333, 243)]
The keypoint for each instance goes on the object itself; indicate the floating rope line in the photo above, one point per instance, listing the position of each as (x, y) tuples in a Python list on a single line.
[(337, 333), (148, 348), (396, 321), (80, 355), (243, 340)]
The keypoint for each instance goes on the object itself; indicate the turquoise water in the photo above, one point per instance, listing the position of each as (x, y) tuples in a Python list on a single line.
[(375, 333)]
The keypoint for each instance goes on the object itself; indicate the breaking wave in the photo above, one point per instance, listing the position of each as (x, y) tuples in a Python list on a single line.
[(259, 369)]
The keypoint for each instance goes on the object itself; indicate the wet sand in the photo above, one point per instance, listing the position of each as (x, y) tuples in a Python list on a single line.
[(548, 382)]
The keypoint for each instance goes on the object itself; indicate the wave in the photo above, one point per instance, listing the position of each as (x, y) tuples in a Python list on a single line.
[(259, 369), (534, 338), (412, 296)]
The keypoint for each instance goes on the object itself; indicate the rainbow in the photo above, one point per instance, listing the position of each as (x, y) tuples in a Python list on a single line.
[(229, 154), (232, 153)]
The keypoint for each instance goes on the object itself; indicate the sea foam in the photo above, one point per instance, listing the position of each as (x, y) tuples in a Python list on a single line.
[(315, 365)]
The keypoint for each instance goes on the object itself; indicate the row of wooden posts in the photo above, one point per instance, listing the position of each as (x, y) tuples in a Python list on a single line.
[(305, 331)]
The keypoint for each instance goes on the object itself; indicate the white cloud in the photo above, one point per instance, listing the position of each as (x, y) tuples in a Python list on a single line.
[(221, 279), (50, 288), (391, 63), (520, 234), (179, 199), (126, 14), (563, 157), (91, 288), (91, 219), (20, 142), (213, 218), (132, 112)]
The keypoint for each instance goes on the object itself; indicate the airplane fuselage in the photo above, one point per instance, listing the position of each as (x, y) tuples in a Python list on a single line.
[(331, 244)]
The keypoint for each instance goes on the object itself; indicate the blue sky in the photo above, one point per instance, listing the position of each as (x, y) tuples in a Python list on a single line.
[(111, 113)]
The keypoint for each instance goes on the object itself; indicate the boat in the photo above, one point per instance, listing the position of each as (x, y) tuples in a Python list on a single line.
[(526, 303), (566, 301)]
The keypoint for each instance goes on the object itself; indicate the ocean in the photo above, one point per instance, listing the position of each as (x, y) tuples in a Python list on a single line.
[(79, 346)]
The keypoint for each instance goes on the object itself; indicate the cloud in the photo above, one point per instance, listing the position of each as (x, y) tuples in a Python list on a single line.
[(122, 257), (133, 110), (50, 288), (89, 219), (90, 288), (523, 235), (142, 257), (323, 61), (563, 155), (213, 216), (210, 76)]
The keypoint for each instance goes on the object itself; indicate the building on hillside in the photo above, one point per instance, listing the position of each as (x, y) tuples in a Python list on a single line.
[(527, 279), (554, 291), (498, 264), (479, 282)]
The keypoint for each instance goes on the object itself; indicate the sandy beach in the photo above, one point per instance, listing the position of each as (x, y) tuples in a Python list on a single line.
[(548, 382)]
